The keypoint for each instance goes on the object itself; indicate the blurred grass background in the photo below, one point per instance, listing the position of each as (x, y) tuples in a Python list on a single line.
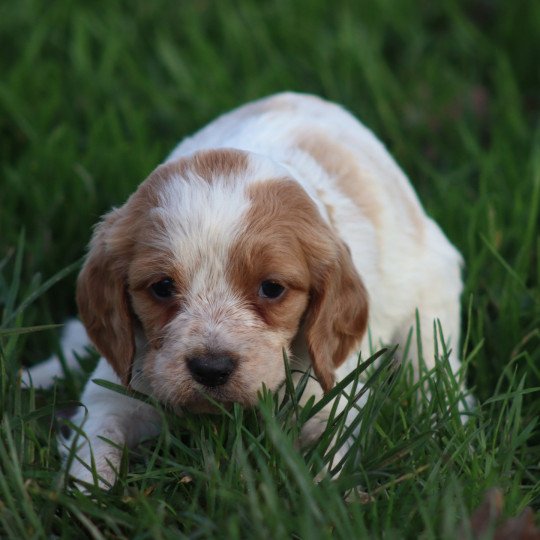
[(94, 94)]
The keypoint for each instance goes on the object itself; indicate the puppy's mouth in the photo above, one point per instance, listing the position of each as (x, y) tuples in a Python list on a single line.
[(214, 400)]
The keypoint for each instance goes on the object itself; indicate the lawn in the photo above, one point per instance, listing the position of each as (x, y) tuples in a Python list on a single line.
[(92, 97)]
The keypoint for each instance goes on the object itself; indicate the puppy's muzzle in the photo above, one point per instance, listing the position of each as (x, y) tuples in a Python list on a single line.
[(211, 369)]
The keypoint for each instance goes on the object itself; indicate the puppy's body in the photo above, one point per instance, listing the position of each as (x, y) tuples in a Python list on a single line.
[(280, 225), (401, 255)]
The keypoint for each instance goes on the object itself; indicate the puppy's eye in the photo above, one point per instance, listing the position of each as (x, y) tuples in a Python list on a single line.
[(271, 289), (163, 289)]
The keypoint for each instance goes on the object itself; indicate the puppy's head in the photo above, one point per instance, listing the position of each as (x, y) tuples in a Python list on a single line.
[(209, 271)]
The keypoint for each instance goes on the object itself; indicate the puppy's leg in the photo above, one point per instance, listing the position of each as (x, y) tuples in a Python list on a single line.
[(108, 421), (74, 343), (349, 403), (438, 309), (425, 343)]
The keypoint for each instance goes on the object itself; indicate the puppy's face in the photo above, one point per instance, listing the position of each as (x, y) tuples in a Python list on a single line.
[(216, 262)]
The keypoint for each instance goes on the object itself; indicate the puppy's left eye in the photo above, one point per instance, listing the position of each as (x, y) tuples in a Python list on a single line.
[(271, 289), (163, 289)]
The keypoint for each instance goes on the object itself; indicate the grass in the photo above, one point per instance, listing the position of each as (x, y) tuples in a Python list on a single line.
[(94, 94)]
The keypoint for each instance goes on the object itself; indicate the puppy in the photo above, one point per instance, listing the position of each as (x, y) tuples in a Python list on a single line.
[(282, 225)]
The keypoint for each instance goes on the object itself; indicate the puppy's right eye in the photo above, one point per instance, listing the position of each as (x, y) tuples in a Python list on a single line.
[(163, 289)]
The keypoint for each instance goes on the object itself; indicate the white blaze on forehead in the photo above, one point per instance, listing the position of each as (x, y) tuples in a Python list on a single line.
[(202, 220)]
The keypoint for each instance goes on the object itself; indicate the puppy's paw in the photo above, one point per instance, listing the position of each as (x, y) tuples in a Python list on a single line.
[(90, 459), (98, 468)]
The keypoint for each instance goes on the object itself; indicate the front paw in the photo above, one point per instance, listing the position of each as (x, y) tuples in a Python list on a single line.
[(97, 467), (90, 458)]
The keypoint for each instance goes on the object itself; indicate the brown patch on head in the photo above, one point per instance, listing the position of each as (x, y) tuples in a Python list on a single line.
[(225, 164), (266, 250), (286, 240)]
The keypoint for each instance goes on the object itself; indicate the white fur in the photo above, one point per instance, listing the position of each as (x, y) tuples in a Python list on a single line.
[(106, 415), (201, 219), (404, 266), (74, 344)]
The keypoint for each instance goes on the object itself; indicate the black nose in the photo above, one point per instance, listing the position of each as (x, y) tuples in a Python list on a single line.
[(211, 369)]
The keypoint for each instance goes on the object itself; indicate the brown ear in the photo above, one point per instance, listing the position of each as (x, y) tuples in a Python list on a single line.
[(102, 297), (337, 317)]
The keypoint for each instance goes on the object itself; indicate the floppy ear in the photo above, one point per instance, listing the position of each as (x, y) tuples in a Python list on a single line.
[(337, 317), (102, 298)]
